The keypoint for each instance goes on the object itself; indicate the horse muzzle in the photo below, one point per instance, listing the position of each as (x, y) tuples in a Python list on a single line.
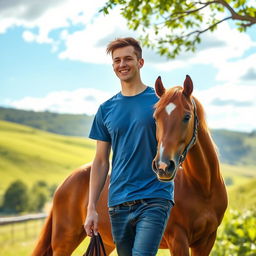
[(165, 171)]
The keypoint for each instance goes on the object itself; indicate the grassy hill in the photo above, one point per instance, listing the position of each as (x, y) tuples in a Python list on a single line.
[(30, 155), (236, 148), (243, 196)]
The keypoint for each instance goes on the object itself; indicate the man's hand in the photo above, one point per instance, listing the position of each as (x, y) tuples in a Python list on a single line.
[(91, 223)]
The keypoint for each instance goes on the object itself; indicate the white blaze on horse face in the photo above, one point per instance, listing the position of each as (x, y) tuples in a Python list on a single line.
[(161, 152), (161, 163), (170, 107)]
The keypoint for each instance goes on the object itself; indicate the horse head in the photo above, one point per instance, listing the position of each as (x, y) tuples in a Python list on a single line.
[(176, 127)]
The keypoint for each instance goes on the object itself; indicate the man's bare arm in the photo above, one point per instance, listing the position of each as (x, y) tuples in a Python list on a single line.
[(99, 171)]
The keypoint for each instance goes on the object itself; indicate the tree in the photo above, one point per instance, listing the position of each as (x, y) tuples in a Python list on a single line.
[(186, 20), (39, 196), (16, 197)]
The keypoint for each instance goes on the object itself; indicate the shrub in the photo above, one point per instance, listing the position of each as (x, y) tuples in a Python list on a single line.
[(237, 235), (38, 196), (16, 198)]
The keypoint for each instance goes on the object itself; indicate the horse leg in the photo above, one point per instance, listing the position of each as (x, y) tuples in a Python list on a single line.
[(109, 248), (178, 244), (204, 246), (68, 219), (66, 239)]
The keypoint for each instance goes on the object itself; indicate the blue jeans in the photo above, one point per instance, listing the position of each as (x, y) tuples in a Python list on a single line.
[(138, 229)]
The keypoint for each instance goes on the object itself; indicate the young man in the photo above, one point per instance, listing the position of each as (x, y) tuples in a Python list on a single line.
[(139, 204)]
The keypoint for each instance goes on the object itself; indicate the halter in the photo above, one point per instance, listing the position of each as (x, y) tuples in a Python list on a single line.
[(193, 139)]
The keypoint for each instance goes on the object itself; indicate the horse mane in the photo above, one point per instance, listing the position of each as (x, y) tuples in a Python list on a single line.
[(201, 115), (177, 91)]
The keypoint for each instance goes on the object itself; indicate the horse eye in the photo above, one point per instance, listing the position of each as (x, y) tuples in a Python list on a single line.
[(186, 118)]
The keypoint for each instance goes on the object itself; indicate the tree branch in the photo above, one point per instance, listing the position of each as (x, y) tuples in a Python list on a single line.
[(210, 27), (235, 15), (192, 11), (184, 14), (198, 32)]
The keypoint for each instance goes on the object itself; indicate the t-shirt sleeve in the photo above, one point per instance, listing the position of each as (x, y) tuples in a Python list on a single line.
[(99, 130)]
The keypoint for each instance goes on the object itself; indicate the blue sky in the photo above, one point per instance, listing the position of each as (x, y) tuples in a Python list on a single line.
[(52, 57)]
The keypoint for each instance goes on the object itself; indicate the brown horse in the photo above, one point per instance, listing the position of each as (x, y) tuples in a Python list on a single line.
[(187, 153)]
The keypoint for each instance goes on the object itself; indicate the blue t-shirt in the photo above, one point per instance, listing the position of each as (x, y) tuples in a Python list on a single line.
[(127, 123)]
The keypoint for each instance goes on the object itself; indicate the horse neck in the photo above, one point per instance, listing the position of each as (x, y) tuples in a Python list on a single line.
[(202, 165)]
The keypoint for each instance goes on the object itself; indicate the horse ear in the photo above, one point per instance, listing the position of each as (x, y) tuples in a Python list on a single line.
[(159, 87), (187, 86)]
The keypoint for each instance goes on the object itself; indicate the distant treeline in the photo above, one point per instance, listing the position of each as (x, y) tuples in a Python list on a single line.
[(66, 124), (234, 147)]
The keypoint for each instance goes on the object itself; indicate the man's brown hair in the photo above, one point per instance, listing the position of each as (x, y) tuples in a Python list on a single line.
[(123, 42)]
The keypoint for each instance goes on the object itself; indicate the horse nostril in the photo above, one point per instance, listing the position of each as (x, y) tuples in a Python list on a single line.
[(154, 167), (171, 166)]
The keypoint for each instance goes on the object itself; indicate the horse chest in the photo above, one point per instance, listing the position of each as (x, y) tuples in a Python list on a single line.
[(194, 212), (203, 225)]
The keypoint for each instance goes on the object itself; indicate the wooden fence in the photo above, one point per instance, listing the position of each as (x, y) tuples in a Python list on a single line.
[(20, 228)]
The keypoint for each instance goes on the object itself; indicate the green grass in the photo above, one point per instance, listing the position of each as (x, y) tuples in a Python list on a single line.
[(19, 239), (239, 174), (243, 196), (30, 155)]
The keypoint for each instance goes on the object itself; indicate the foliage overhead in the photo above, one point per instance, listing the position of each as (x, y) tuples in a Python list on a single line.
[(178, 25)]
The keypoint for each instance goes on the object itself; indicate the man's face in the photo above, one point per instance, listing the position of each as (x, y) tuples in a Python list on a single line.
[(126, 64)]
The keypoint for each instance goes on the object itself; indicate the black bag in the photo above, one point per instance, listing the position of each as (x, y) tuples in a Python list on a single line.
[(96, 247)]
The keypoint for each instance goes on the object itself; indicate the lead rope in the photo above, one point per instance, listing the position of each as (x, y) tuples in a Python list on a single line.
[(96, 247)]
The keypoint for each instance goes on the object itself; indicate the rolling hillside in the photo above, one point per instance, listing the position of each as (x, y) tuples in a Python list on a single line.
[(243, 196), (235, 148), (30, 155)]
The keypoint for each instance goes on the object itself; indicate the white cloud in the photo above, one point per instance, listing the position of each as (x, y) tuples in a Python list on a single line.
[(234, 71), (28, 36), (229, 106), (80, 101), (89, 44), (46, 15)]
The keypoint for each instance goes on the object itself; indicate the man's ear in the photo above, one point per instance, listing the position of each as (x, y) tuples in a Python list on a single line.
[(141, 63)]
